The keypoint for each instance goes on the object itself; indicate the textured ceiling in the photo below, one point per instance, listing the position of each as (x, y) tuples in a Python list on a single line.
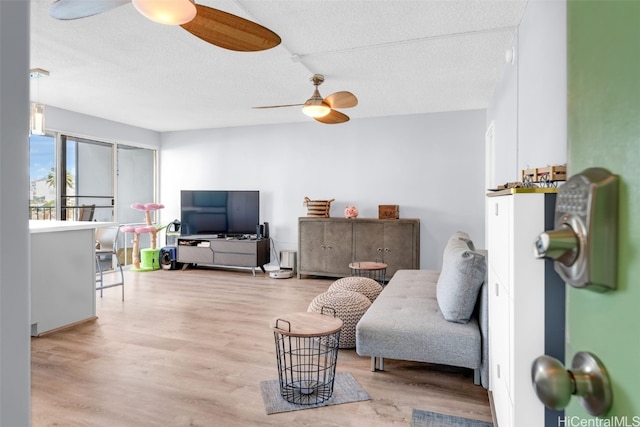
[(398, 57)]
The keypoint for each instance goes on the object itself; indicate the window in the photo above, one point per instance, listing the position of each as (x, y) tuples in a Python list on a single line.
[(89, 165), (42, 177), (106, 177)]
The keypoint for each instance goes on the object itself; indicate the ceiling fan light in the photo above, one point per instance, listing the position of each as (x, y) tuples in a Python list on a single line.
[(316, 110), (168, 12), (315, 106)]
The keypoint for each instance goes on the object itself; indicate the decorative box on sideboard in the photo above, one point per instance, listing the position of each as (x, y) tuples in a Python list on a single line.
[(388, 211)]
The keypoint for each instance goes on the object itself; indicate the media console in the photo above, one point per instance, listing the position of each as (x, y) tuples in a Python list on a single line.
[(219, 251)]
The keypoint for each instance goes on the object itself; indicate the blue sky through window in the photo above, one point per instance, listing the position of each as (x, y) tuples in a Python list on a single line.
[(42, 156)]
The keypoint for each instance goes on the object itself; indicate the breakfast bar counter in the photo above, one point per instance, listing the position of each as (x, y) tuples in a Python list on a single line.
[(63, 278)]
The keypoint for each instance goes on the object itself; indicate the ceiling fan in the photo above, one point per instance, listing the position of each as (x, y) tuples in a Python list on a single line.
[(323, 110), (211, 25)]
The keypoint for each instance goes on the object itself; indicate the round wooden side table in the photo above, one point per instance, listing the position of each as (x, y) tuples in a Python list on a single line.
[(306, 352), (373, 270)]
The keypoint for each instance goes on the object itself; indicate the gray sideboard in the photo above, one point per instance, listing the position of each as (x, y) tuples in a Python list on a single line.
[(326, 246)]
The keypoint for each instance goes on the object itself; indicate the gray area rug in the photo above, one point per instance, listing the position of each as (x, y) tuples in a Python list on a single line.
[(346, 389), (432, 419)]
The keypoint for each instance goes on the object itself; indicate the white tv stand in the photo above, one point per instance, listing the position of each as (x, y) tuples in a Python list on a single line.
[(213, 250)]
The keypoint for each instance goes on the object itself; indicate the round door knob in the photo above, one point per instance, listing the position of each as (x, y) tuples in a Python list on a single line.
[(552, 382), (587, 379)]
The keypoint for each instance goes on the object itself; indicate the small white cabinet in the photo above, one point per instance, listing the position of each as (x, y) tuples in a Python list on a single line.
[(63, 276), (525, 294)]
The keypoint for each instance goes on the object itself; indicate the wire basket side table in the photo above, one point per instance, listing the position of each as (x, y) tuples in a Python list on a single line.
[(373, 270), (306, 353)]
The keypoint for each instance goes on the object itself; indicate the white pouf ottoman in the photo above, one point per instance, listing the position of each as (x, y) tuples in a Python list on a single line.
[(349, 307), (362, 285)]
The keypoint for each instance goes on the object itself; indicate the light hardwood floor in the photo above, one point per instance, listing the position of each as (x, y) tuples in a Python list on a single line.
[(189, 348)]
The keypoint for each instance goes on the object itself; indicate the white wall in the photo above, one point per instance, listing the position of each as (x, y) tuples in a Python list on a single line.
[(503, 116), (82, 125), (542, 85), (529, 103), (432, 165), (15, 379)]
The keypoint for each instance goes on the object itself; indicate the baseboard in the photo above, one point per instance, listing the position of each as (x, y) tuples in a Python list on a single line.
[(70, 325), (493, 409)]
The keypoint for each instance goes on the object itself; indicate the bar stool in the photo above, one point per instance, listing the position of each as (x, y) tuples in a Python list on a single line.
[(106, 238)]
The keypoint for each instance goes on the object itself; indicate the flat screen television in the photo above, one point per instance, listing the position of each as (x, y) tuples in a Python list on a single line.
[(225, 213)]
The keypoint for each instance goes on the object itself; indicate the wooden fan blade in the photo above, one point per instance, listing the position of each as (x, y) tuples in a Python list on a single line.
[(76, 9), (341, 99), (333, 118), (264, 107), (230, 31)]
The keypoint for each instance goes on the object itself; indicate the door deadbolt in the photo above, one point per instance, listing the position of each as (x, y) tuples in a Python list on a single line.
[(584, 242), (588, 379)]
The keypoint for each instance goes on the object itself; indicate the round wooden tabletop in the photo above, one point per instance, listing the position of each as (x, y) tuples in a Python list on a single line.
[(367, 265), (303, 324)]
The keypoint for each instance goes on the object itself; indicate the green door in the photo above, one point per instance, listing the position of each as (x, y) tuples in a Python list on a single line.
[(604, 130)]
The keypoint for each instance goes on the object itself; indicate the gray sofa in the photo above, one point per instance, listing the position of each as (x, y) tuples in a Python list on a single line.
[(433, 316)]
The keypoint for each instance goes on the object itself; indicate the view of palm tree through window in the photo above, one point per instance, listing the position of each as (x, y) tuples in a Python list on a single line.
[(101, 182), (43, 176)]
